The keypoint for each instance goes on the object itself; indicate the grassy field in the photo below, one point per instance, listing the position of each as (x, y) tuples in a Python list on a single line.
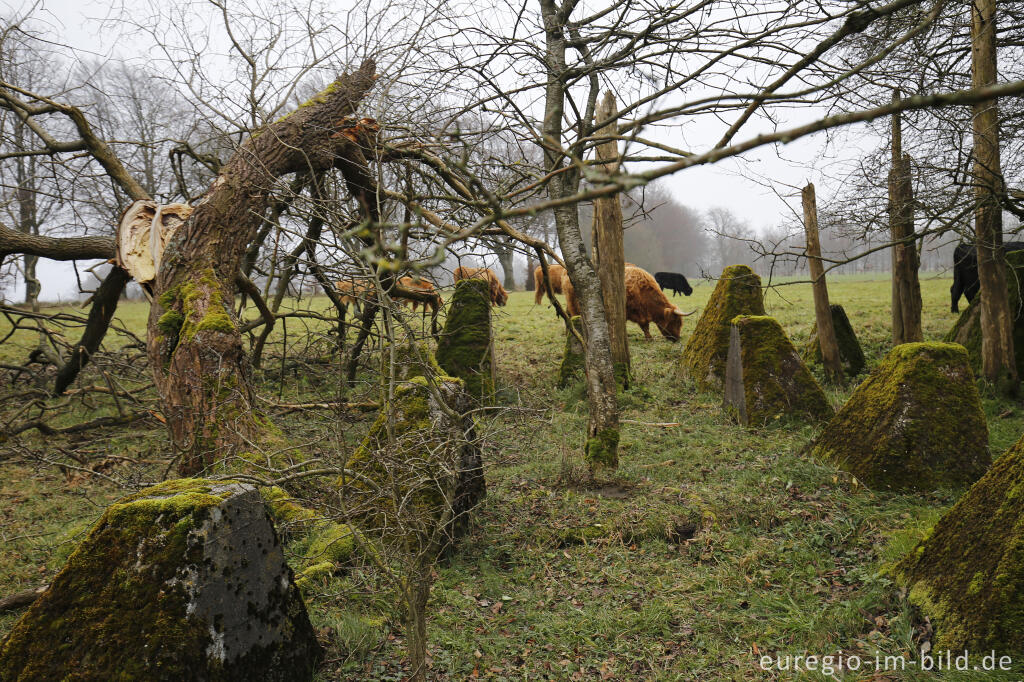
[(711, 546)]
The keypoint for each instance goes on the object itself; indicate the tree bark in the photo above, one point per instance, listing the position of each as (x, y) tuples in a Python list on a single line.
[(906, 287), (195, 347), (822, 311), (608, 247), (601, 449), (997, 351)]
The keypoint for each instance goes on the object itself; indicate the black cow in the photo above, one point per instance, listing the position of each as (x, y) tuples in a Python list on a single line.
[(965, 272), (673, 281)]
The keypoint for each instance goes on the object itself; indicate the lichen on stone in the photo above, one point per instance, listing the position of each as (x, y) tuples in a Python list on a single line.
[(572, 358), (184, 580), (915, 423), (765, 377), (738, 292), (967, 574), (464, 349), (851, 355)]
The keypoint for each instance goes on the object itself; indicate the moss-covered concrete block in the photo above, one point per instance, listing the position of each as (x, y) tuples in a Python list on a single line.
[(851, 355), (411, 359), (572, 358), (465, 349), (967, 329), (419, 468), (915, 423), (183, 581), (967, 575), (738, 293), (765, 378)]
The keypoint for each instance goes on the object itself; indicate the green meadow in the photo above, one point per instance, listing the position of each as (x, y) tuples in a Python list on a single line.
[(710, 547)]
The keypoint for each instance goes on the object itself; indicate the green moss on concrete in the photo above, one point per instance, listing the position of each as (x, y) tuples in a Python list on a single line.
[(738, 293), (773, 381), (464, 349), (418, 463), (412, 359), (572, 358), (851, 355), (967, 329), (967, 575), (915, 423), (120, 607), (602, 450)]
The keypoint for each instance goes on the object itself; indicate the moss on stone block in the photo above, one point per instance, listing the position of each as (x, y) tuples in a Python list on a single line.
[(765, 377), (967, 575), (419, 463), (915, 423), (851, 355), (967, 329), (184, 580), (412, 359), (738, 293), (464, 349), (572, 359)]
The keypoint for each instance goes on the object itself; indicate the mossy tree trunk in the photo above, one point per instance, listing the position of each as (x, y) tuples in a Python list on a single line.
[(195, 348), (997, 353), (906, 288), (601, 450), (822, 312), (609, 255)]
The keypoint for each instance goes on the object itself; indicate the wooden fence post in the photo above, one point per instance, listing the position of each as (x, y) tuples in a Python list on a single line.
[(822, 312)]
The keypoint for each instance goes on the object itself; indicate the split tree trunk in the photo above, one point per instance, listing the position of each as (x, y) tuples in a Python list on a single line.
[(997, 351), (195, 347), (906, 288), (822, 311), (608, 248)]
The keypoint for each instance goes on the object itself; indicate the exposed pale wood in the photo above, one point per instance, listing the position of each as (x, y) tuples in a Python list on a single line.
[(609, 256), (822, 313)]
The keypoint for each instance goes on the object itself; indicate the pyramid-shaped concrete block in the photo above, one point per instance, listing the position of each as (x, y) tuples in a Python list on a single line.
[(915, 423), (738, 293), (765, 378)]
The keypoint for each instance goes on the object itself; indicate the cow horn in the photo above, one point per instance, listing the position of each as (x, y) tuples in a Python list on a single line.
[(680, 313)]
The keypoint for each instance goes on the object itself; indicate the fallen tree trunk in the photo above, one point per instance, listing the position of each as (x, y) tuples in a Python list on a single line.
[(195, 347)]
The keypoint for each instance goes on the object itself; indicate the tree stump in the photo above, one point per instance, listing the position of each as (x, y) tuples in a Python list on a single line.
[(738, 293), (765, 378), (572, 359), (915, 423), (465, 349), (183, 581), (850, 353), (967, 574)]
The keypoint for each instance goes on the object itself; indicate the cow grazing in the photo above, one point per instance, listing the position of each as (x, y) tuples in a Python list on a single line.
[(354, 291), (417, 283), (673, 281), (645, 303), (965, 272), (498, 294), (555, 272)]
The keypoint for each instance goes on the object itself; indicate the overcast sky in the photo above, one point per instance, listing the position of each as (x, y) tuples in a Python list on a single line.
[(761, 188)]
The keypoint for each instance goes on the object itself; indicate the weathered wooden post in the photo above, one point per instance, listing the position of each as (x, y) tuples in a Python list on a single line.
[(609, 257), (822, 313), (906, 289)]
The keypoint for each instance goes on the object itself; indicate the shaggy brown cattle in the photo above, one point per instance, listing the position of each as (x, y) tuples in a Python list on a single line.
[(354, 291), (555, 272), (415, 283), (645, 303), (498, 294)]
